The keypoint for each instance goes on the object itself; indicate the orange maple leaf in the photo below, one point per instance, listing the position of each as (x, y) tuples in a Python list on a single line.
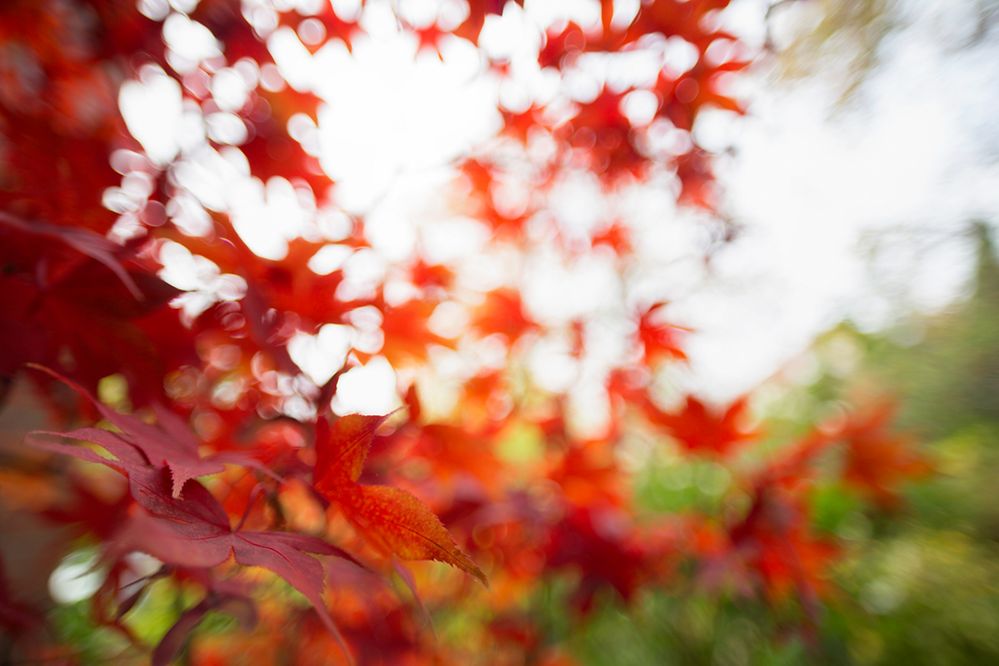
[(502, 312), (392, 519), (406, 334)]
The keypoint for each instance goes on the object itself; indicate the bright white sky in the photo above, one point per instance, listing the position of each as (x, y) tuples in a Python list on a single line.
[(807, 182), (911, 154)]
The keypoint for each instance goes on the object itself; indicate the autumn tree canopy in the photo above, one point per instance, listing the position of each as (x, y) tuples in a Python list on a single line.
[(191, 293)]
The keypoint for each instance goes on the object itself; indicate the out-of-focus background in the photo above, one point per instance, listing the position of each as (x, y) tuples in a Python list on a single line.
[(866, 185)]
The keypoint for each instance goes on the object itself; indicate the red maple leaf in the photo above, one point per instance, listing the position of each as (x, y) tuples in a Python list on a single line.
[(604, 547), (169, 444), (478, 10), (659, 339), (877, 461), (180, 522), (699, 429), (774, 541), (602, 137)]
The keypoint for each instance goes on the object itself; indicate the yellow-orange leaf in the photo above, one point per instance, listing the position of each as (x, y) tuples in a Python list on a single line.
[(401, 524), (342, 448), (390, 518)]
